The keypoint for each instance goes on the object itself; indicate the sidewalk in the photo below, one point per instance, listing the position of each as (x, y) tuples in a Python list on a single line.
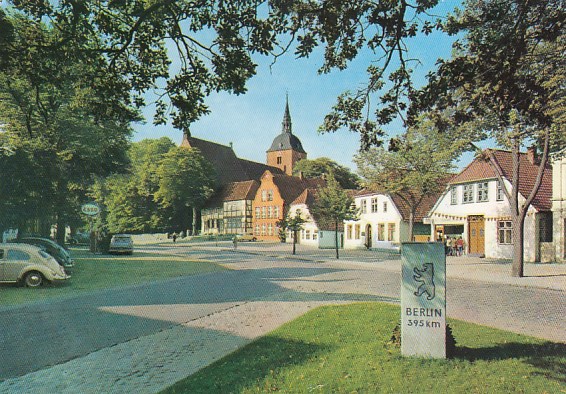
[(538, 275)]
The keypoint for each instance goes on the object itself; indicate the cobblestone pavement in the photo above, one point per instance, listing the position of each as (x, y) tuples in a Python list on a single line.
[(175, 328)]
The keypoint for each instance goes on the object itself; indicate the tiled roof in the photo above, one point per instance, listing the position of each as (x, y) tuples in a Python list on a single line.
[(234, 191), (480, 169), (228, 167), (290, 187), (402, 206), (307, 197)]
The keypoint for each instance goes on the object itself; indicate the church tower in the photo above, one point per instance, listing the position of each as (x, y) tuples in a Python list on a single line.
[(286, 148)]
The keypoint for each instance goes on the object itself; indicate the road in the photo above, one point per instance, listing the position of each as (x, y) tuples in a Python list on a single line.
[(258, 287)]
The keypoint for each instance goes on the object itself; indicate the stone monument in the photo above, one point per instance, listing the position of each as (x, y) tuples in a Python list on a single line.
[(423, 300)]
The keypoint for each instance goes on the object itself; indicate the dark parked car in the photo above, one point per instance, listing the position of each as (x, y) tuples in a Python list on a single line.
[(60, 254)]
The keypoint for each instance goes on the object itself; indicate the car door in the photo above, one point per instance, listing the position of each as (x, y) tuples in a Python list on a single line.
[(15, 262)]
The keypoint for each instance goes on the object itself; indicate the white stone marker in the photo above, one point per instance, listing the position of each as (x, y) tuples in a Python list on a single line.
[(423, 300)]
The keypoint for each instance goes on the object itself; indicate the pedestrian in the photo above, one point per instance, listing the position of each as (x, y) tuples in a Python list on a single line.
[(235, 242), (453, 246), (174, 237), (460, 246), (447, 246)]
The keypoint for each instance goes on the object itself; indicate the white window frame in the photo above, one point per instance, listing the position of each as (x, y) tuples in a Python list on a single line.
[(374, 205), (468, 193), (504, 232), (500, 194), (483, 192), (454, 195)]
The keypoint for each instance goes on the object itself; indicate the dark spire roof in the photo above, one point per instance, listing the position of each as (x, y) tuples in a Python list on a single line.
[(286, 140), (287, 126)]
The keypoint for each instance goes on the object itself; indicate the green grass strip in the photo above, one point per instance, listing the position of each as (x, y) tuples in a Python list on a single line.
[(344, 349), (97, 272)]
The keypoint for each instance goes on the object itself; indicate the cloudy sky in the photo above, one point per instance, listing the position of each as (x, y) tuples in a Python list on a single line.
[(252, 120)]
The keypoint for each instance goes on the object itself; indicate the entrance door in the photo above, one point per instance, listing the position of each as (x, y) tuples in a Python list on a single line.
[(368, 236), (476, 234)]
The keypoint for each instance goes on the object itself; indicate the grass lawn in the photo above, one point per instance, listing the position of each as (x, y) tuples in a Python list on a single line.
[(343, 349), (94, 272)]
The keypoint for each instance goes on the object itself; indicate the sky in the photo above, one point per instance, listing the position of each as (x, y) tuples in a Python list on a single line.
[(251, 121)]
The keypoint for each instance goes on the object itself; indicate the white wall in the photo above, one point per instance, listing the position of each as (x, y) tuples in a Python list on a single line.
[(559, 208), (310, 228), (390, 216), (447, 213)]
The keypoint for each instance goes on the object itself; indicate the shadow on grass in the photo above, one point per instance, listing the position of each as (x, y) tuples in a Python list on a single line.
[(258, 362), (547, 357)]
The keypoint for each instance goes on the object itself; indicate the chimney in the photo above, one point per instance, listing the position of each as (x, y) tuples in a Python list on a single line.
[(532, 154), (231, 145)]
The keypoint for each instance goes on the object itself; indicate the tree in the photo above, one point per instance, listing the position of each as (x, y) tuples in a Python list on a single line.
[(129, 200), (414, 168), (323, 166), (47, 112), (294, 223), (506, 71), (333, 205), (126, 42), (186, 180)]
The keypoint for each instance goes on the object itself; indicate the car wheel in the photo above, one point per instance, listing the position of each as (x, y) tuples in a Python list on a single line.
[(33, 279)]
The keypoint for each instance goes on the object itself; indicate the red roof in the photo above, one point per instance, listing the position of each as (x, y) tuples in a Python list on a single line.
[(234, 191), (480, 169), (291, 187)]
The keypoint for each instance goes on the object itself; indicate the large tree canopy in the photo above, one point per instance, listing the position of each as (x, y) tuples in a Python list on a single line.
[(323, 166), (507, 77), (127, 42)]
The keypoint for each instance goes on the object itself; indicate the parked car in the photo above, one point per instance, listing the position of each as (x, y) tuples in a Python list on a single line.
[(28, 264), (121, 243), (60, 254), (246, 237), (78, 239)]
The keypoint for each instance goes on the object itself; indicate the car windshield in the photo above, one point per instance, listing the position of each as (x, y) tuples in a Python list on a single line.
[(122, 239)]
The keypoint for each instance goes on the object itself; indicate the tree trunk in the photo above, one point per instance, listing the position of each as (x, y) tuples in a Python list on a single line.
[(60, 213), (518, 245), (195, 221), (411, 224), (294, 240), (336, 238), (517, 216)]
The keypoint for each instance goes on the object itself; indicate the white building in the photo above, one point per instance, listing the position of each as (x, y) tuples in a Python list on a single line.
[(383, 222), (559, 208), (309, 235), (474, 206)]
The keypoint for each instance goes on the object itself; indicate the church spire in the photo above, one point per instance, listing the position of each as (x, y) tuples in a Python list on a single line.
[(287, 128)]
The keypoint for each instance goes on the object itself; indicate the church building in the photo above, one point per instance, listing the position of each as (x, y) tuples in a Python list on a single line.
[(252, 197), (286, 149)]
